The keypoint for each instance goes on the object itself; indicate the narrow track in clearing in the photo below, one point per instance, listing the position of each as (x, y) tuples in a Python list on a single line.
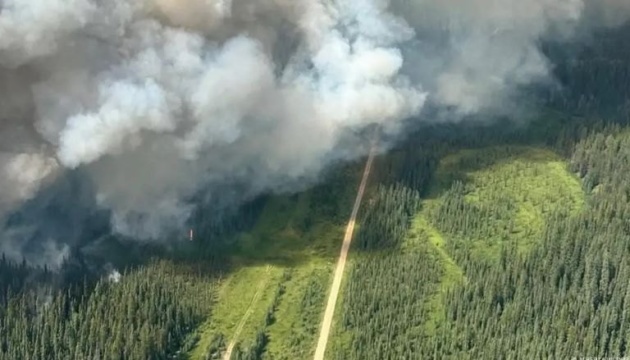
[(341, 263), (248, 313)]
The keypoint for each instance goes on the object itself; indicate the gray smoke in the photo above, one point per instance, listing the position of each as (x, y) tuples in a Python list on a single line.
[(475, 55), (156, 99)]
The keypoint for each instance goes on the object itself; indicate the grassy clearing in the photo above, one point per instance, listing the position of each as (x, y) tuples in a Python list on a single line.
[(286, 234), (514, 188), (293, 246), (232, 301), (299, 313)]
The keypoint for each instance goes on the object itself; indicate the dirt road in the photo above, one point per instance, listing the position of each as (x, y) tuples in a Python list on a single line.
[(248, 313), (341, 263)]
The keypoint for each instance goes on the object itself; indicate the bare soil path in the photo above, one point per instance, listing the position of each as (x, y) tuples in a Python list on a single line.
[(341, 263)]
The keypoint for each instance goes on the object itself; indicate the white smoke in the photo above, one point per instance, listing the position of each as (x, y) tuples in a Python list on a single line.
[(30, 29), (114, 276), (126, 110), (154, 99), (209, 109), (482, 51), (27, 171)]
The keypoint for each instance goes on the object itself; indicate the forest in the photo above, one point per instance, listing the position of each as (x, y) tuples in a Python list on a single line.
[(475, 241)]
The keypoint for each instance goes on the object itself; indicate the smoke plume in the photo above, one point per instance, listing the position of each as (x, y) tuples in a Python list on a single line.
[(154, 100)]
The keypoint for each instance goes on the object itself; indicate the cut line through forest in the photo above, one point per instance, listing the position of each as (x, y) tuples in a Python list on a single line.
[(341, 263)]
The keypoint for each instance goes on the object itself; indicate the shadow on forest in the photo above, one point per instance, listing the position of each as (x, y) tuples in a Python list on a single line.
[(290, 230), (438, 156), (278, 230), (458, 166), (287, 230)]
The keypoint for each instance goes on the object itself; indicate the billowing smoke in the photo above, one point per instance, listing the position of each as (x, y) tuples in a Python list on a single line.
[(154, 100), (476, 55)]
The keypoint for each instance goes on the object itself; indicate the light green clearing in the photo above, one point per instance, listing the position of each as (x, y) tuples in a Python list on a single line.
[(295, 234), (233, 299), (535, 181), (299, 313)]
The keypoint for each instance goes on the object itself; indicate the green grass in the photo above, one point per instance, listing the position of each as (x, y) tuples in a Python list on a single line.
[(286, 234), (295, 334), (232, 301), (296, 234)]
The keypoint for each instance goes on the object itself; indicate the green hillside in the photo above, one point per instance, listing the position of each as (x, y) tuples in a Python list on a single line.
[(467, 247), (514, 252)]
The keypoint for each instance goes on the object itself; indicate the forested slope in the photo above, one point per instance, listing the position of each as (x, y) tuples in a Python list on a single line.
[(512, 253), (492, 239), (146, 313), (477, 243)]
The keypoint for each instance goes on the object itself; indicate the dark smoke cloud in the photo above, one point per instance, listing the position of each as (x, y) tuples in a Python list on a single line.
[(154, 100)]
